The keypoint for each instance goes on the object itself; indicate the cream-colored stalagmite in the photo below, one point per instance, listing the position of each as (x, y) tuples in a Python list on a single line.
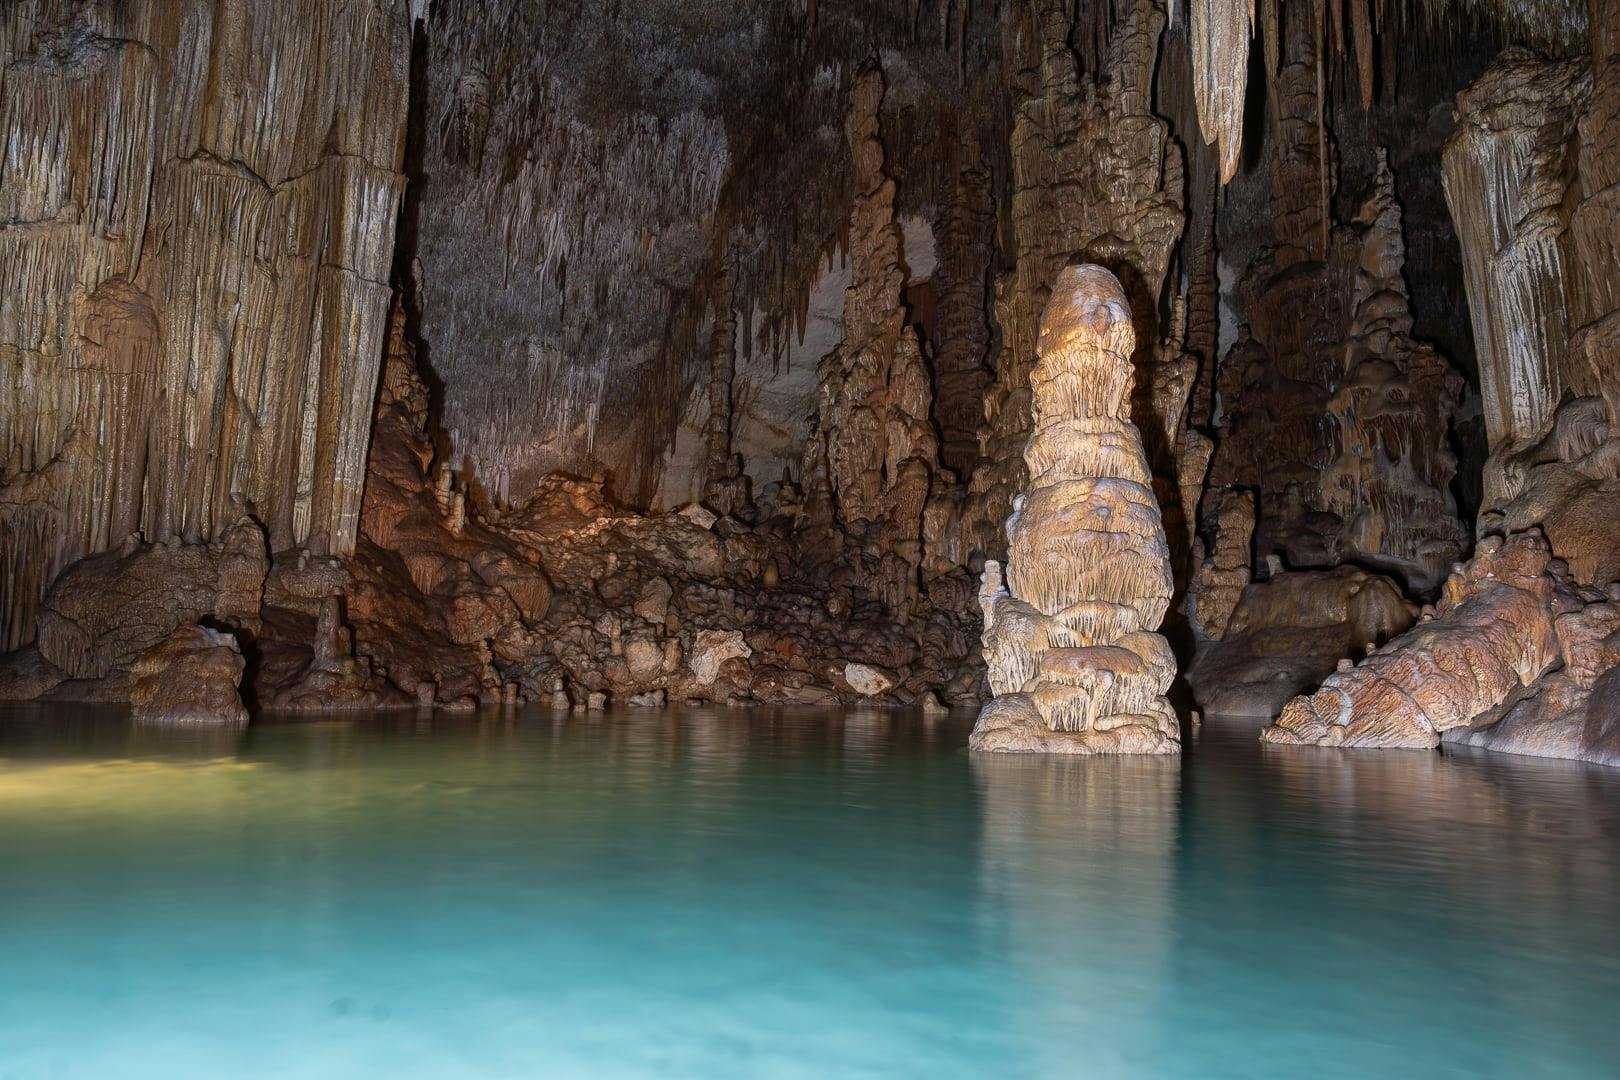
[(1069, 637), (197, 215)]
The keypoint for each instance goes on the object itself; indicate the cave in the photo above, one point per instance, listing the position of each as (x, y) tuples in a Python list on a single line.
[(716, 493)]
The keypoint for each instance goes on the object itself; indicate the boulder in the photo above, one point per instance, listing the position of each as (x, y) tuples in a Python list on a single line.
[(190, 677)]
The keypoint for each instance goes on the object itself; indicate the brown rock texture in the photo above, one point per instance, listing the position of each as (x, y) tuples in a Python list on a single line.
[(874, 431), (1492, 635), (966, 236), (1219, 579), (1096, 175), (190, 677), (196, 282), (1073, 659), (103, 613), (1292, 630), (1531, 178)]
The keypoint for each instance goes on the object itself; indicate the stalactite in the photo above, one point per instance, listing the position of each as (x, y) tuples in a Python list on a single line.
[(1220, 35)]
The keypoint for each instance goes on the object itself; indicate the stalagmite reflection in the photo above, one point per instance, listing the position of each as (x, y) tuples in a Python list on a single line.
[(1077, 886)]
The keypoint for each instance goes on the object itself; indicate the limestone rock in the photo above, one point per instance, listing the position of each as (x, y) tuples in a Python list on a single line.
[(874, 437), (1095, 175), (196, 280), (1493, 634), (334, 678), (711, 648), (1333, 412), (866, 680), (699, 515), (1219, 580), (652, 603), (1070, 632), (104, 612), (1289, 632), (190, 677), (1530, 179)]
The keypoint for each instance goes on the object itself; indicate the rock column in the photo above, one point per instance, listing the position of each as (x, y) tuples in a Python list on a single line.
[(1069, 639)]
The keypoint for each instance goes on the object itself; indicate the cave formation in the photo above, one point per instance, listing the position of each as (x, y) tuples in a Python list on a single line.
[(420, 354)]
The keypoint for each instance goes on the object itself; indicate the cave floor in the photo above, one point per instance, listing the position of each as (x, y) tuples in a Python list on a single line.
[(767, 892)]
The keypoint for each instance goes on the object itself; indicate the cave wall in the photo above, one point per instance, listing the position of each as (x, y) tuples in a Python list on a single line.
[(197, 212), (1533, 181), (1343, 397), (596, 190)]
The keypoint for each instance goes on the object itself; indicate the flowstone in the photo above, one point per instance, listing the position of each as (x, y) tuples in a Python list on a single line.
[(1073, 660)]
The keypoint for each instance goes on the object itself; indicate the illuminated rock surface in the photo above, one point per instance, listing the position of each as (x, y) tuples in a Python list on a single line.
[(1073, 659)]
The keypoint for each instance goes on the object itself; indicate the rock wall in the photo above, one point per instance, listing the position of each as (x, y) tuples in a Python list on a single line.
[(197, 209), (1329, 407), (1095, 174), (1069, 640), (1533, 181), (874, 445)]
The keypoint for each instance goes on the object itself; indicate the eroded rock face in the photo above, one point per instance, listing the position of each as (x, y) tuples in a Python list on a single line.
[(190, 677), (1492, 635), (104, 612), (1095, 174), (1219, 580), (874, 436), (1530, 177), (1069, 637), (195, 281), (1292, 630), (1334, 414)]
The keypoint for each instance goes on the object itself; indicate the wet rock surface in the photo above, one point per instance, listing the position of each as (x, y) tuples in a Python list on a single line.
[(190, 677)]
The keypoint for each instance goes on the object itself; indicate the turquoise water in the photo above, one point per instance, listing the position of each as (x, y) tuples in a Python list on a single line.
[(789, 894)]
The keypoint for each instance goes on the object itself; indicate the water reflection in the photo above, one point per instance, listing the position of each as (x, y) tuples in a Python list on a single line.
[(1077, 881), (743, 893)]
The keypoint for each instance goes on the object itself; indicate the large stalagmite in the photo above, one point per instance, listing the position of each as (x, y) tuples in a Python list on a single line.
[(1073, 658), (1095, 175)]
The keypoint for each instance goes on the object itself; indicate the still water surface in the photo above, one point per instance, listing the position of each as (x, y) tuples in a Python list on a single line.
[(789, 894)]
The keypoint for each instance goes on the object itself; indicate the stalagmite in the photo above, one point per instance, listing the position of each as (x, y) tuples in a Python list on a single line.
[(1074, 662), (1331, 409), (1219, 580), (966, 240), (874, 417), (725, 487)]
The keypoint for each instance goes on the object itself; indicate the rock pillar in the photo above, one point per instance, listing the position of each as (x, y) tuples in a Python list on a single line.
[(1069, 639)]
